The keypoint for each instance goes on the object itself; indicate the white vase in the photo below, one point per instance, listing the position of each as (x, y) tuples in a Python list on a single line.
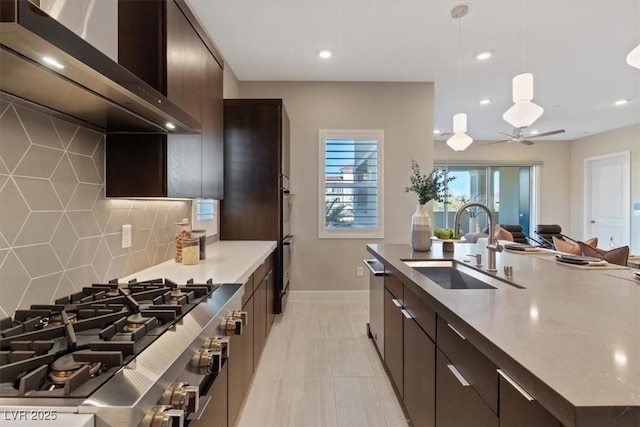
[(421, 229)]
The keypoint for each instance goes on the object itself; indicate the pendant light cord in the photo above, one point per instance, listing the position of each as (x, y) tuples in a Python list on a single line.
[(459, 59), (522, 38)]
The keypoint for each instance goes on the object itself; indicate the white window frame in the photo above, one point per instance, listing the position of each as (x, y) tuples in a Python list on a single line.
[(349, 233), (209, 225)]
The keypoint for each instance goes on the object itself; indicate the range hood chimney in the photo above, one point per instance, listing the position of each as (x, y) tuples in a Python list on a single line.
[(90, 86)]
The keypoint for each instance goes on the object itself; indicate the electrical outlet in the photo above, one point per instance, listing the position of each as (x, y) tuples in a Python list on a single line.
[(359, 271), (126, 236)]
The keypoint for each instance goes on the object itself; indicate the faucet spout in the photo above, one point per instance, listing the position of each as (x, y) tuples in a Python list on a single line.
[(493, 245)]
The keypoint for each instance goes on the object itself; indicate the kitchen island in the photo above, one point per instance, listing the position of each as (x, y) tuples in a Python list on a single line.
[(570, 337)]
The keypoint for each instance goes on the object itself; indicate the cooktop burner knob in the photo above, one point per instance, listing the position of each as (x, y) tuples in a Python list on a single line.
[(182, 396), (220, 344), (207, 361), (163, 416), (240, 314), (232, 326)]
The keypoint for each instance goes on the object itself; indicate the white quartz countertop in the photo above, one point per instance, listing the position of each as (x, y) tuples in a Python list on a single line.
[(572, 336), (228, 261)]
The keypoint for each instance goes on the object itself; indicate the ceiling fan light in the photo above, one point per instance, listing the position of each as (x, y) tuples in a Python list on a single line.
[(522, 114), (523, 87), (459, 141), (633, 58)]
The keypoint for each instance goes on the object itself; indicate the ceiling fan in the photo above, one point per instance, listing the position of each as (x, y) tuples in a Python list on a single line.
[(518, 136)]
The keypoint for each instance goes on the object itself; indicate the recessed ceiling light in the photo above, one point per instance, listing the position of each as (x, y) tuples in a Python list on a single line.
[(51, 61), (534, 132), (170, 126), (484, 55), (324, 54), (436, 131), (621, 101), (485, 101)]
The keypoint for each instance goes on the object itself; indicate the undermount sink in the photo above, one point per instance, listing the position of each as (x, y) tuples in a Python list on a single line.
[(450, 275)]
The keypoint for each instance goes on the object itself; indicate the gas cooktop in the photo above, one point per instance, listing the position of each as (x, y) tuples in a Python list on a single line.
[(72, 347)]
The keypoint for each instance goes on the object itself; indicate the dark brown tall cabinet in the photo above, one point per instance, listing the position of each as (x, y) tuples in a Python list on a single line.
[(256, 164), (161, 42)]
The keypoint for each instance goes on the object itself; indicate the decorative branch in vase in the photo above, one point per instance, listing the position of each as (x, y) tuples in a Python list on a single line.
[(427, 187), (473, 212)]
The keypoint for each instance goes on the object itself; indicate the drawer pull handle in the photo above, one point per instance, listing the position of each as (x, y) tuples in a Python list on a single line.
[(456, 331), (515, 385), (397, 302), (406, 314), (459, 376)]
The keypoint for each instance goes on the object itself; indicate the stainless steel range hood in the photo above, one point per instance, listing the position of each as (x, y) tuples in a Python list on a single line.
[(90, 87)]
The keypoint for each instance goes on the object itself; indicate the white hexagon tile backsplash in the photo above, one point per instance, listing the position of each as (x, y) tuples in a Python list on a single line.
[(58, 232)]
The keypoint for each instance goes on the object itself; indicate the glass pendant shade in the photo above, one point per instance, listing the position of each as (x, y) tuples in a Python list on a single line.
[(524, 112), (633, 58), (460, 140)]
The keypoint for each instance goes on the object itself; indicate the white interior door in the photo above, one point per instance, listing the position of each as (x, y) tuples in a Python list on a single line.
[(607, 198)]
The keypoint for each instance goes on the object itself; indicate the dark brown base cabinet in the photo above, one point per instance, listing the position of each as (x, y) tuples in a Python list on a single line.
[(516, 410), (240, 365), (447, 382), (419, 375), (246, 349), (457, 403), (393, 339), (215, 415)]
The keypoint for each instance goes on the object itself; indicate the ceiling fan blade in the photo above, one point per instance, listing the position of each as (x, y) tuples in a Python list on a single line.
[(525, 142), (497, 142), (553, 132), (508, 134)]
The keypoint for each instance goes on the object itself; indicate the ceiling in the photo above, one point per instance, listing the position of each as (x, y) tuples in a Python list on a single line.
[(575, 49)]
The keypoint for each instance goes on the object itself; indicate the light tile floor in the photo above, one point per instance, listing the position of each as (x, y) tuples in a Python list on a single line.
[(319, 368)]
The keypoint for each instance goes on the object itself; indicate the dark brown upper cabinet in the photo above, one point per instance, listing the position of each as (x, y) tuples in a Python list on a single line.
[(161, 42)]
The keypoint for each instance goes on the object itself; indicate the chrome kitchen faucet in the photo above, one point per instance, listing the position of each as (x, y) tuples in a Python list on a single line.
[(493, 245)]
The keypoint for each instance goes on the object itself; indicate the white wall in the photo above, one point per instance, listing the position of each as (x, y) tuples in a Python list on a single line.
[(615, 141), (230, 83), (555, 174), (404, 111)]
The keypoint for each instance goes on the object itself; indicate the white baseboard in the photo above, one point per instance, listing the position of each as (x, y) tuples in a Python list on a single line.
[(328, 295)]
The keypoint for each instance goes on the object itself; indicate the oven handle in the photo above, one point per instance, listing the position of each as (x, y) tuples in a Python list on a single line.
[(287, 240)]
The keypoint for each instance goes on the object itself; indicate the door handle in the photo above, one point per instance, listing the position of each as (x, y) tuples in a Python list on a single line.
[(463, 382), (515, 385), (456, 331)]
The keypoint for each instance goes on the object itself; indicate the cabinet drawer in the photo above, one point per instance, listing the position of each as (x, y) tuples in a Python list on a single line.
[(260, 272), (248, 290), (424, 315), (457, 403), (479, 371), (269, 262), (519, 409), (394, 285)]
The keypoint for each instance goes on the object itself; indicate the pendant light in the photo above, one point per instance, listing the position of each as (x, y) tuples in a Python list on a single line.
[(633, 58), (460, 140), (524, 112)]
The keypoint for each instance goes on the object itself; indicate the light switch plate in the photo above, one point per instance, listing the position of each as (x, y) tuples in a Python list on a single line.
[(126, 236)]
